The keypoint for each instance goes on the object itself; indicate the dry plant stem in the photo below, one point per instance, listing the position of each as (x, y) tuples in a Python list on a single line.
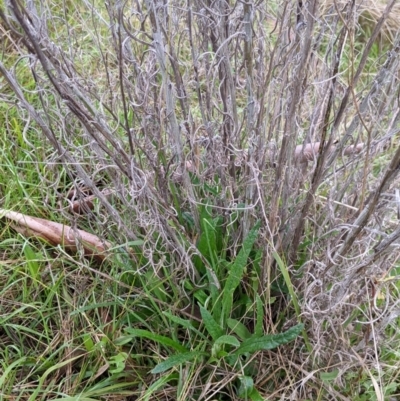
[(119, 46), (195, 63), (323, 152), (63, 153), (265, 85), (86, 204), (151, 82), (312, 150), (83, 109), (219, 38), (159, 49), (319, 382), (391, 172), (377, 96), (302, 155), (341, 112), (393, 169), (283, 177), (158, 44), (385, 244), (94, 125), (377, 258), (254, 138)]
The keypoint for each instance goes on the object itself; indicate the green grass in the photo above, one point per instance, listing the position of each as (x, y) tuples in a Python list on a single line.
[(229, 325), (69, 328)]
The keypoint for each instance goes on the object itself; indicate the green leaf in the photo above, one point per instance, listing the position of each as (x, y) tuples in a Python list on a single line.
[(270, 341), (118, 362), (175, 360), (259, 329), (156, 286), (246, 386), (207, 245), (176, 199), (205, 241), (209, 231), (227, 339), (156, 337), (40, 385), (288, 281), (236, 271), (7, 370), (158, 384), (187, 217), (329, 376), (137, 242), (238, 328), (88, 342), (32, 261), (213, 328), (187, 324), (217, 350), (254, 395)]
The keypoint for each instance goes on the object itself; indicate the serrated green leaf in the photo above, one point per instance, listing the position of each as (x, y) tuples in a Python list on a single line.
[(236, 271), (156, 337), (209, 231), (213, 328), (227, 339), (270, 341), (254, 395), (238, 328), (206, 238), (219, 237), (259, 329), (175, 360), (203, 243), (329, 376), (246, 386)]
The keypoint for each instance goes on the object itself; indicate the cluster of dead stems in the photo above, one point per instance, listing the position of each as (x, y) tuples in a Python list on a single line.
[(293, 126)]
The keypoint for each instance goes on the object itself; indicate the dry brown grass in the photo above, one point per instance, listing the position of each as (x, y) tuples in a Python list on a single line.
[(369, 12)]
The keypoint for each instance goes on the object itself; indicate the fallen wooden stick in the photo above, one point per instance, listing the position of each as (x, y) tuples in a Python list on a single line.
[(86, 203), (58, 234), (310, 151)]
